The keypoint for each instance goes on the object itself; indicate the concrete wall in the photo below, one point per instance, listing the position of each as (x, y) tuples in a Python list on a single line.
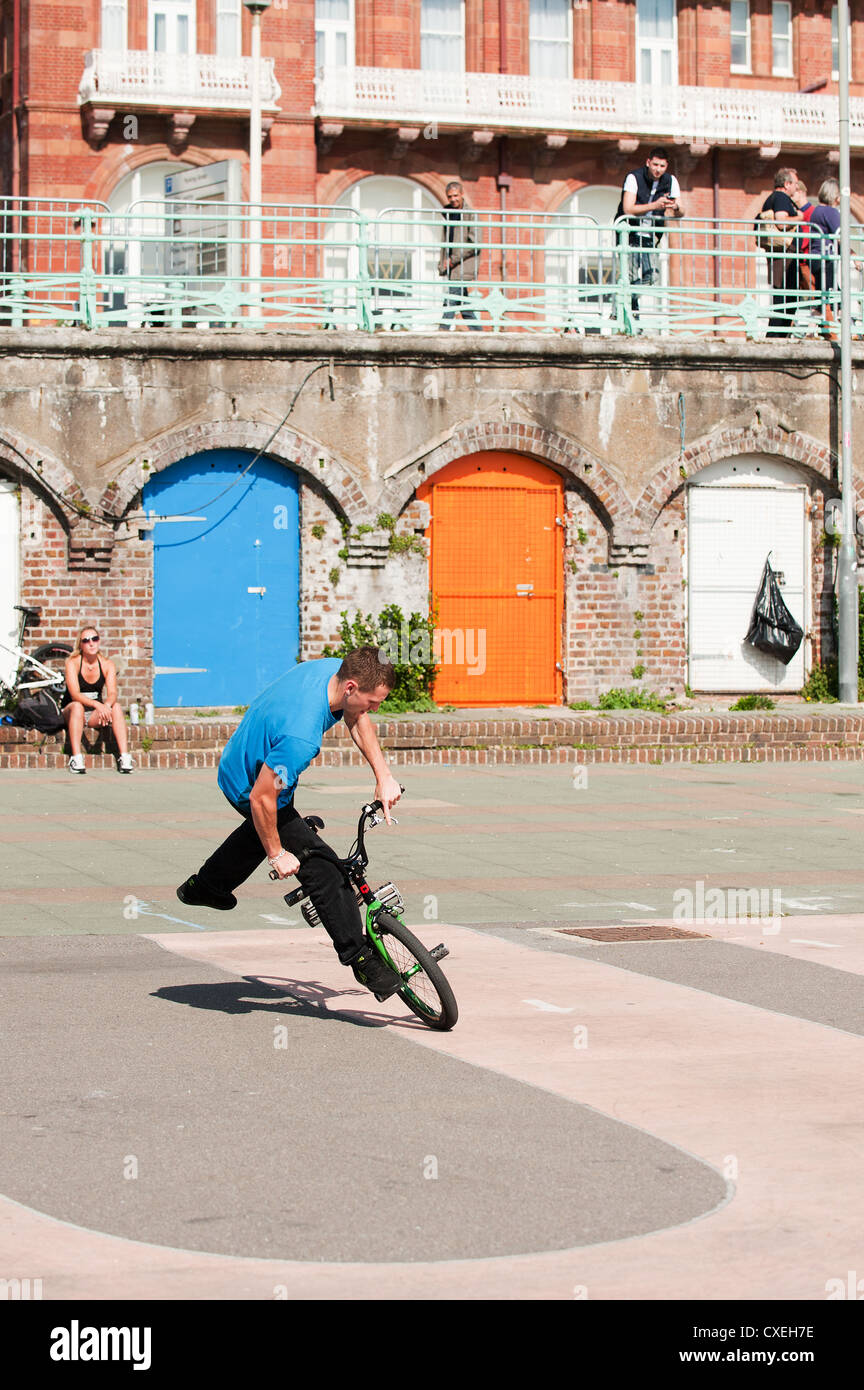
[(86, 419)]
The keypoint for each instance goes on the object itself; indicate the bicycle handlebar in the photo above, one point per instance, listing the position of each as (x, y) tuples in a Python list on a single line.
[(324, 851)]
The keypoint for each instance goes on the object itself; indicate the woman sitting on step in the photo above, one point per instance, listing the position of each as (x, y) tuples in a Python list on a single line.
[(91, 697)]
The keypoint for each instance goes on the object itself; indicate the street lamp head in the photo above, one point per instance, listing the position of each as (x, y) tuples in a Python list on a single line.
[(257, 6)]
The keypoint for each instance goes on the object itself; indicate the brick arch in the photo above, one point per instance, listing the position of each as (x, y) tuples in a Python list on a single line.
[(301, 455), (43, 474), (789, 447), (123, 160), (576, 464), (336, 183)]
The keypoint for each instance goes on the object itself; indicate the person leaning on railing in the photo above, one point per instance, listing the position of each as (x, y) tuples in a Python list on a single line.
[(824, 226), (776, 233), (460, 253), (648, 197)]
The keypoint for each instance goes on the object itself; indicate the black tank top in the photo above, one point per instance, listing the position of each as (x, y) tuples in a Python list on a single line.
[(86, 687)]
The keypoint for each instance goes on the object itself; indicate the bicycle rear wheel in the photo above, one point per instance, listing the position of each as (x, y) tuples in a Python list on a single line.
[(425, 988), (54, 655)]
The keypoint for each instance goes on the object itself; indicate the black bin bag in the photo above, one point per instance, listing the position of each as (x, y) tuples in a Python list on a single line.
[(772, 627)]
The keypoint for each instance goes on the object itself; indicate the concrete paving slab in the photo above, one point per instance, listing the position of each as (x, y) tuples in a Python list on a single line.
[(752, 1095)]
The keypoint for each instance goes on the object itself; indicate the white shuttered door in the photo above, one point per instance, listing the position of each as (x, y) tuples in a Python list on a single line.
[(8, 574), (731, 531)]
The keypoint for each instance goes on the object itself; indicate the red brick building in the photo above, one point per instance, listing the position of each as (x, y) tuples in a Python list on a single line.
[(538, 106), (424, 89)]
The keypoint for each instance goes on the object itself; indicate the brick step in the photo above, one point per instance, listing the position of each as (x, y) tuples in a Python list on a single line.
[(582, 733), (579, 740)]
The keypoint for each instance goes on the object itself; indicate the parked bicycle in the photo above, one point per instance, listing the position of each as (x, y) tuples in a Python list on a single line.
[(39, 676), (425, 988)]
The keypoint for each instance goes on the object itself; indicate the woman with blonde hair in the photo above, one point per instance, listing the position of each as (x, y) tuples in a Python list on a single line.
[(91, 698)]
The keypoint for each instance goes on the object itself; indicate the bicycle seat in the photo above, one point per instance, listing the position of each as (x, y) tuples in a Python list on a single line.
[(32, 616)]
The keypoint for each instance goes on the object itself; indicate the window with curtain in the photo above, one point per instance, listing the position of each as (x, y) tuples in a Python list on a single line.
[(739, 36), (114, 26), (781, 38), (550, 41), (334, 33), (228, 28), (442, 35), (656, 43), (835, 44)]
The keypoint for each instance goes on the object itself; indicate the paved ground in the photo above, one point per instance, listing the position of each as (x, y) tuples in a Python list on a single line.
[(202, 1105)]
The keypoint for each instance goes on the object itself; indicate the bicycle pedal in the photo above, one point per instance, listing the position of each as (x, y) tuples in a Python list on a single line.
[(439, 952)]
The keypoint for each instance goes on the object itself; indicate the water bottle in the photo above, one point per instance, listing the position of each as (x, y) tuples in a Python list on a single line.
[(134, 714), (148, 715)]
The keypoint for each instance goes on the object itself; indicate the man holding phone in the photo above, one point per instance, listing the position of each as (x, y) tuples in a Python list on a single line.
[(650, 195)]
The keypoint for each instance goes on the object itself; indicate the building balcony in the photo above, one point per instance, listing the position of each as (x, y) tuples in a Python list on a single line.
[(696, 116), (181, 86)]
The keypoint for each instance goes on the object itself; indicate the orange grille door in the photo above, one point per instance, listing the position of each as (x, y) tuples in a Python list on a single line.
[(497, 582)]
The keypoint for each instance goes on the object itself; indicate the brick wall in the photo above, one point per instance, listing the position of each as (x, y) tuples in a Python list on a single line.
[(119, 602)]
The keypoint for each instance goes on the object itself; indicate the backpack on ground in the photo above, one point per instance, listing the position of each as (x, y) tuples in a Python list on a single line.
[(38, 711)]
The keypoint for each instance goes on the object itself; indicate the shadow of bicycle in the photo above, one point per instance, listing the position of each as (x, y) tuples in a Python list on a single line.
[(294, 998)]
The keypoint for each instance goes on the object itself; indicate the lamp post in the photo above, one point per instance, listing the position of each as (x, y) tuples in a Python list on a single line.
[(256, 8), (847, 576)]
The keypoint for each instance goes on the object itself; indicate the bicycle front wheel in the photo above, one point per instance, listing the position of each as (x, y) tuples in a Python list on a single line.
[(425, 988)]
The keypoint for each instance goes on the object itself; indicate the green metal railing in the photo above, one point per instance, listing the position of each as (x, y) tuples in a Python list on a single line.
[(186, 265)]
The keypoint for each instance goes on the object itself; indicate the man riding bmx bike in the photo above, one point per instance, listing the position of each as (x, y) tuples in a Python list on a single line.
[(275, 742)]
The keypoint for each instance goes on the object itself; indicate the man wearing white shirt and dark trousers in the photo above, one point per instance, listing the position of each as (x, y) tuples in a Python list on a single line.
[(650, 195)]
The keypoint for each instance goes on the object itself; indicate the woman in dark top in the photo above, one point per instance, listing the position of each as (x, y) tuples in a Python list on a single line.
[(91, 696)]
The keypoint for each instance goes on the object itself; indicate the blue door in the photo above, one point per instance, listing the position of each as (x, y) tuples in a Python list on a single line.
[(226, 581)]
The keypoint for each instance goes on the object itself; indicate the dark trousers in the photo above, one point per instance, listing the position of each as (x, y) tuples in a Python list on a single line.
[(643, 264), (242, 853), (783, 275), (456, 302)]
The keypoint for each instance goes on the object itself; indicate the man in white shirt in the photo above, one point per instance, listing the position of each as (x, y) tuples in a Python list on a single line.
[(650, 195)]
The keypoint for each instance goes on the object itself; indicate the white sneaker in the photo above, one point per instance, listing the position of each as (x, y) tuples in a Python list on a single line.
[(125, 764), (76, 763)]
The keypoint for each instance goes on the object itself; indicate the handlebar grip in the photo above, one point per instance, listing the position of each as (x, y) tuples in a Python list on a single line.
[(302, 857)]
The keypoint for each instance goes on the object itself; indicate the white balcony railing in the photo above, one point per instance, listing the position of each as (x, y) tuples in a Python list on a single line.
[(140, 79), (692, 115)]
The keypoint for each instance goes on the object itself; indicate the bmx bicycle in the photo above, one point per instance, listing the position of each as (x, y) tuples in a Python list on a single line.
[(424, 988), (41, 674)]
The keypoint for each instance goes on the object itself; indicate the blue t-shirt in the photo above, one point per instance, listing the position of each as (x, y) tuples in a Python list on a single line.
[(283, 728), (826, 223)]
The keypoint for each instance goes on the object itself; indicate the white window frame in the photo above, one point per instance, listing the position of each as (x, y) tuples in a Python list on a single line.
[(119, 11), (173, 9), (747, 65), (444, 33), (658, 45), (835, 44), (533, 42), (327, 29), (777, 8), (229, 42)]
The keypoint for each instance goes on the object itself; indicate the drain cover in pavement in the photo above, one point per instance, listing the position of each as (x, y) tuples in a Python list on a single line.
[(639, 932)]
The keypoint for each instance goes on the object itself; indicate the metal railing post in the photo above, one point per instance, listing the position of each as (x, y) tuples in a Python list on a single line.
[(87, 283)]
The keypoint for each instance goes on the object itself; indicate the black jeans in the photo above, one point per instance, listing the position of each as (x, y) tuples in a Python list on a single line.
[(783, 275), (242, 852)]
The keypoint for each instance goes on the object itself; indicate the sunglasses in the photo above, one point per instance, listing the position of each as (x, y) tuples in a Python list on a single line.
[(91, 639)]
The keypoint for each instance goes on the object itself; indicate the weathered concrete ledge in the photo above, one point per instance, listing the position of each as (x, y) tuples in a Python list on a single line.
[(408, 349)]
